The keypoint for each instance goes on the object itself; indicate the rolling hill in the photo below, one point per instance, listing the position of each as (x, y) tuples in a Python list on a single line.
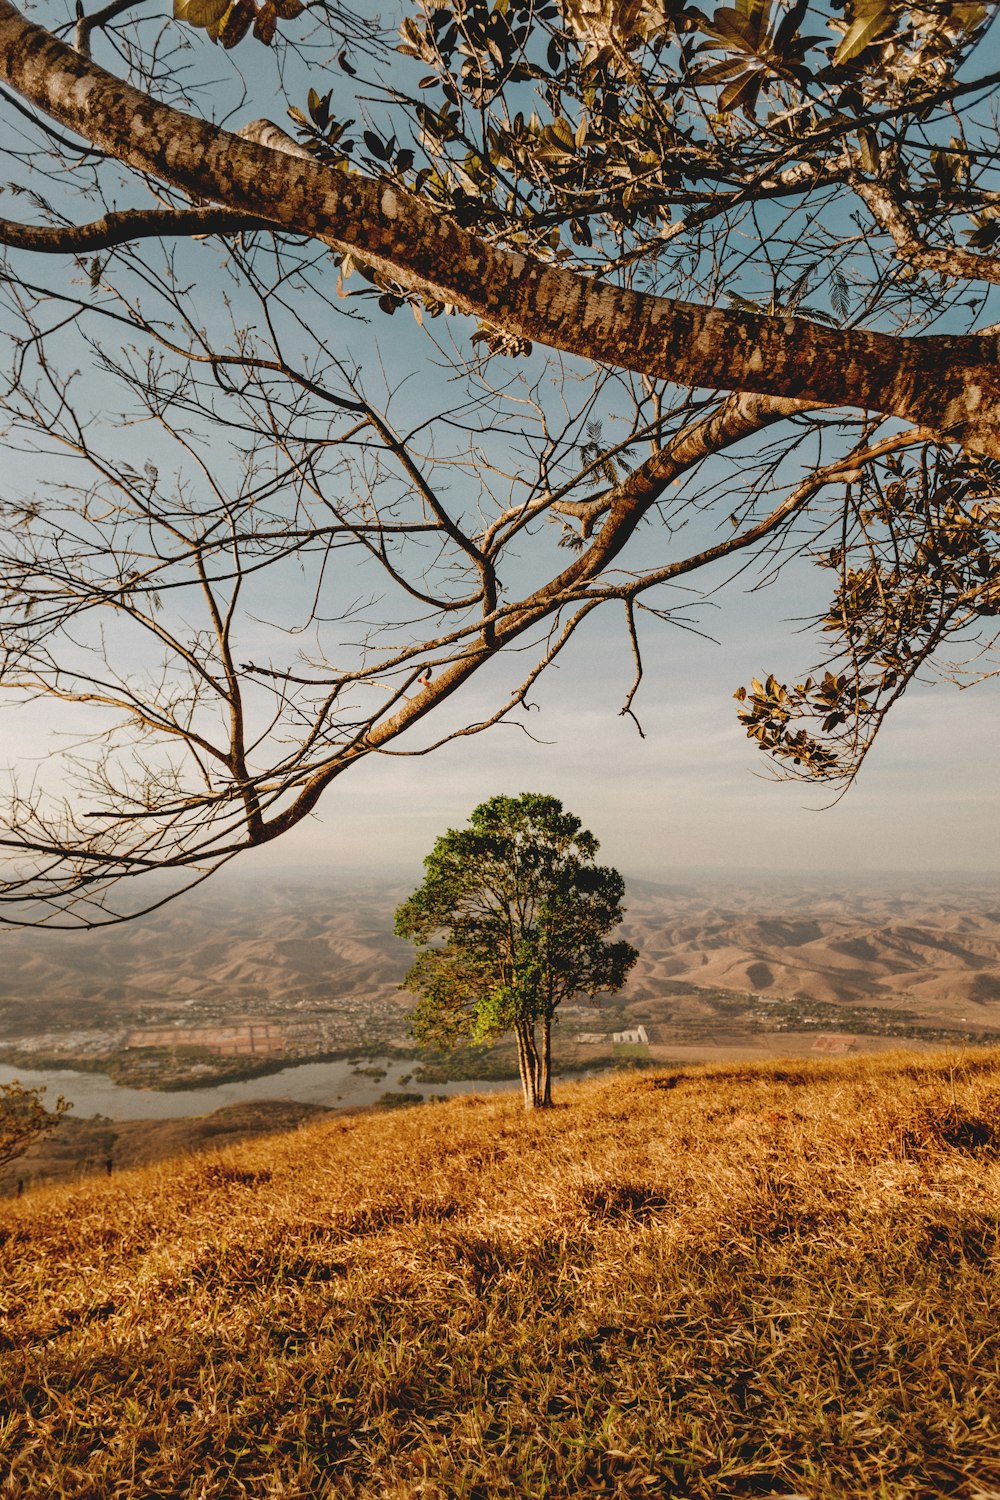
[(294, 946), (936, 951), (716, 1284)]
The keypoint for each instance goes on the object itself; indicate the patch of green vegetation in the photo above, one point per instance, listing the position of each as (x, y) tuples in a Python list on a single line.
[(51, 1062), (398, 1099), (175, 1069), (467, 1064), (186, 1067)]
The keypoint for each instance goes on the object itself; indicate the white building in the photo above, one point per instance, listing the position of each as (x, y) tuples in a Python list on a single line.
[(637, 1036)]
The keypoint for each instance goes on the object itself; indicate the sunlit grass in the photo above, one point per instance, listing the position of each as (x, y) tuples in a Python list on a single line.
[(722, 1282)]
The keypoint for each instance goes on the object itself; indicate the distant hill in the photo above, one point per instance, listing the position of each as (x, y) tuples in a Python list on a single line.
[(298, 945), (715, 1284), (936, 950)]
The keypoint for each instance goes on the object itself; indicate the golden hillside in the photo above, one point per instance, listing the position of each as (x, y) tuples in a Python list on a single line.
[(745, 1282)]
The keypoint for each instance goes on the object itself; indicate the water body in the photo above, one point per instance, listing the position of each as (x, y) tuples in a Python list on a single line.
[(334, 1084)]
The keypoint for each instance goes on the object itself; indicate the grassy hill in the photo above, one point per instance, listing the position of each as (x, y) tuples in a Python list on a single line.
[(85, 1145), (723, 1282)]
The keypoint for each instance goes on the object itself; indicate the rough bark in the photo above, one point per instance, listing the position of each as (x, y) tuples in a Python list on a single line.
[(890, 212), (947, 383)]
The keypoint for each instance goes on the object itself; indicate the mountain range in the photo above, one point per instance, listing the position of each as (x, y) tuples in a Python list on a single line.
[(290, 945)]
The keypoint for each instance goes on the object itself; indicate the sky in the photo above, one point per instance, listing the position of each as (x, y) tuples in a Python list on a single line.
[(692, 795)]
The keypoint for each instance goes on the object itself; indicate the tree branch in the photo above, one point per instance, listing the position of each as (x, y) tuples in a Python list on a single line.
[(947, 383), (85, 25), (124, 226), (893, 216)]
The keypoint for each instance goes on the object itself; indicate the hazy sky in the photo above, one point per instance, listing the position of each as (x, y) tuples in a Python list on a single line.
[(693, 794)]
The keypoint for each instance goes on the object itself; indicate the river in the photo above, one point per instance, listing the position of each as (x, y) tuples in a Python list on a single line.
[(334, 1084)]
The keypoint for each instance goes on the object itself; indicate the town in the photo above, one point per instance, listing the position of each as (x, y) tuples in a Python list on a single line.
[(199, 1043)]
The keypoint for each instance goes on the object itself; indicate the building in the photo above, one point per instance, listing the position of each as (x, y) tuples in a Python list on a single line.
[(637, 1037)]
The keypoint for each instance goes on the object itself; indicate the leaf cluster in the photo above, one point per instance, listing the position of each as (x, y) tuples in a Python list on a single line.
[(572, 132), (24, 1118), (511, 918), (228, 21), (919, 566)]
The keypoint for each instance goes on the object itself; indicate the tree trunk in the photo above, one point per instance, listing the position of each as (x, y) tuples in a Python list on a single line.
[(526, 1059), (947, 382), (543, 1072), (530, 1065)]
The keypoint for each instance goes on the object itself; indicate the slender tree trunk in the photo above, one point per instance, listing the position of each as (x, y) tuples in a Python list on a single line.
[(526, 1057), (532, 1051), (543, 1071)]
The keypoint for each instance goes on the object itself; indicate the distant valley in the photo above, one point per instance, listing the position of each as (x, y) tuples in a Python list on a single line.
[(246, 976)]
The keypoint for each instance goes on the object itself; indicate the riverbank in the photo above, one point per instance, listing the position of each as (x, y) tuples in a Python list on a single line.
[(171, 1069), (111, 1126), (349, 1083)]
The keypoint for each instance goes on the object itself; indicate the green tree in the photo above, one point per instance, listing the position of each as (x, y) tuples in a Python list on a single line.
[(24, 1119), (512, 918)]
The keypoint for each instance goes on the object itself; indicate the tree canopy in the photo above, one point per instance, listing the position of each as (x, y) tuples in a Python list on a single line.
[(674, 291), (512, 918), (24, 1119)]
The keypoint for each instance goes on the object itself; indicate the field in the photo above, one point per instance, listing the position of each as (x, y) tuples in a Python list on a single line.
[(747, 1281)]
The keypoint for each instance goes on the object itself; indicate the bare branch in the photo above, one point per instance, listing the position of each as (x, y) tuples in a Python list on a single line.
[(121, 228)]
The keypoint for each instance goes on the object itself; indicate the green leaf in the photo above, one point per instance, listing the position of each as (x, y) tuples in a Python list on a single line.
[(742, 92), (732, 30), (718, 72), (374, 144), (756, 11), (867, 27), (789, 25), (869, 152)]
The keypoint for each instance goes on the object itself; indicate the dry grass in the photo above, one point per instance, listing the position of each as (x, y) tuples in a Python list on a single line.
[(739, 1282)]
